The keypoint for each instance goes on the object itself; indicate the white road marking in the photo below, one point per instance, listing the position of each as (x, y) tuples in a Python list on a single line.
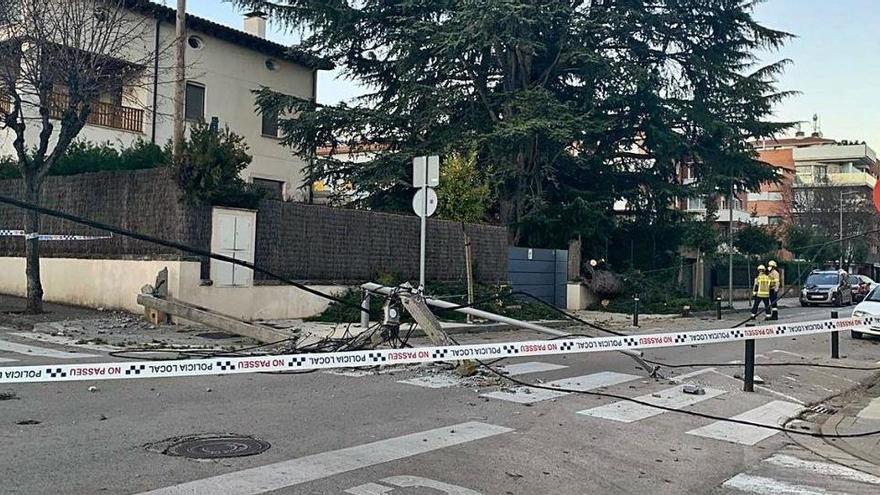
[(680, 378), (5, 360), (359, 373), (822, 468), (433, 381), (317, 466), (765, 389), (69, 341), (370, 489), (768, 486), (871, 411), (516, 369), (628, 412), (447, 380), (30, 350), (529, 395), (773, 413), (409, 482), (419, 482)]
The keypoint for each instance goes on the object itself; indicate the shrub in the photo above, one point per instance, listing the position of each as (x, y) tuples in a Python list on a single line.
[(209, 167)]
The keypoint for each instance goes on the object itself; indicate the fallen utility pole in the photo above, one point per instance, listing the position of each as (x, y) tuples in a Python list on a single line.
[(210, 318), (438, 303)]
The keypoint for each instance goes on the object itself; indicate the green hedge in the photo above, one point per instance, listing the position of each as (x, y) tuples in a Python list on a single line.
[(86, 156)]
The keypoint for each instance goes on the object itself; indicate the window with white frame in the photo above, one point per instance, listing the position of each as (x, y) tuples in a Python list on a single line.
[(696, 204)]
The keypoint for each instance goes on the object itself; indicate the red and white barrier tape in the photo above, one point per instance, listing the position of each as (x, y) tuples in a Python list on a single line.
[(353, 359), (53, 237)]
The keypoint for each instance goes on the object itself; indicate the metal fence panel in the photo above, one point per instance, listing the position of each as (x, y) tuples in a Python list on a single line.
[(539, 272)]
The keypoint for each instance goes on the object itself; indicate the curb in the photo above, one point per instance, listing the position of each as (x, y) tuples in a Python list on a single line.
[(830, 427)]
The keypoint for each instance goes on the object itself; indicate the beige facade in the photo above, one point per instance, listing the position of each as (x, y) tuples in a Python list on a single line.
[(229, 65)]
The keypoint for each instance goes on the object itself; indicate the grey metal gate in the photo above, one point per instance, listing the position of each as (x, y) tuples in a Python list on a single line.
[(539, 272)]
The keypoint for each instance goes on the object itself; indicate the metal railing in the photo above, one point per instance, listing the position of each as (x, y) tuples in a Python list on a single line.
[(103, 114)]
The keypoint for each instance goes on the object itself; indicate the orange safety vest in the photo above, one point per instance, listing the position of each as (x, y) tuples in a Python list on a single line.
[(762, 285)]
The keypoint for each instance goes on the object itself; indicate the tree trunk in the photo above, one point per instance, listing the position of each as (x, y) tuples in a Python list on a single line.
[(469, 268), (32, 247)]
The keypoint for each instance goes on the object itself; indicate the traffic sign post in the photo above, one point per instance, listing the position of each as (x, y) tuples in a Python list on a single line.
[(426, 174)]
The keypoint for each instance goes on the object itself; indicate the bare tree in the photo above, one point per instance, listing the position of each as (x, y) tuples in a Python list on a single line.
[(819, 210), (59, 59)]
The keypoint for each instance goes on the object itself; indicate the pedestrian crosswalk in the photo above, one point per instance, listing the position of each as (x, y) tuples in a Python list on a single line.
[(530, 395), (754, 408), (797, 471), (628, 412), (14, 352), (774, 413)]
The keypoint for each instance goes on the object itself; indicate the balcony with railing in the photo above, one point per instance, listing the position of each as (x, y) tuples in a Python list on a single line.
[(839, 179), (103, 114)]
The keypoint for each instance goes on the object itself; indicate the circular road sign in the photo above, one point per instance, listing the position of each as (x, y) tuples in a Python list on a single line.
[(419, 202)]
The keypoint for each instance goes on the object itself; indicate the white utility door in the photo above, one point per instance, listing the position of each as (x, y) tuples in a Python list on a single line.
[(233, 234)]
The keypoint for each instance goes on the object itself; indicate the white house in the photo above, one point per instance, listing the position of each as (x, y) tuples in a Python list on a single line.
[(223, 67)]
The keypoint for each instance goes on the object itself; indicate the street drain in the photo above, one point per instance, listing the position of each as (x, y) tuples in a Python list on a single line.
[(211, 446)]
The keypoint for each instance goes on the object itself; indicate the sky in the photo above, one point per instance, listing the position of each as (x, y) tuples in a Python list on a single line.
[(834, 62)]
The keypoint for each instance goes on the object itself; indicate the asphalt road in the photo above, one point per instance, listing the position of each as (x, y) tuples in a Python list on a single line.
[(375, 433)]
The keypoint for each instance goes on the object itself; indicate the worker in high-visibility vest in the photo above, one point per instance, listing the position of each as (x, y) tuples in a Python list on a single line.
[(761, 292), (775, 289)]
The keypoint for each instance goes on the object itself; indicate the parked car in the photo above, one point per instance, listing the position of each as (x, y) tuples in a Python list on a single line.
[(826, 287), (869, 307), (859, 286)]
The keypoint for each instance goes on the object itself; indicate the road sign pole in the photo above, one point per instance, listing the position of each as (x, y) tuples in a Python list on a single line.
[(422, 240), (426, 174)]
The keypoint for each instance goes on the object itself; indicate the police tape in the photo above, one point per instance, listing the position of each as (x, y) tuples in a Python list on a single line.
[(387, 357), (52, 237)]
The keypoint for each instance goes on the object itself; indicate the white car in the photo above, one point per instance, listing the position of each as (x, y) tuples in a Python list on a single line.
[(870, 306)]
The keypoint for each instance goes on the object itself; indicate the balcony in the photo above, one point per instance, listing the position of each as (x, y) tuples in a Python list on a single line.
[(104, 114), (835, 153), (844, 179)]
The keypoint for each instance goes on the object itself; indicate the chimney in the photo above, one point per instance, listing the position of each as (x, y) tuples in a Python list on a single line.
[(255, 24)]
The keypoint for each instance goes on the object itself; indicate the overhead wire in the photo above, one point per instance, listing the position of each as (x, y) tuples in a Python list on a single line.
[(347, 344), (178, 246)]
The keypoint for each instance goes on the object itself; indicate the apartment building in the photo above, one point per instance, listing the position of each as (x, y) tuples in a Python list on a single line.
[(224, 66), (808, 165), (736, 211)]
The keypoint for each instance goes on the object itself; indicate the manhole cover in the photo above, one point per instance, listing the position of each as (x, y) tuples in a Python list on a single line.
[(214, 446)]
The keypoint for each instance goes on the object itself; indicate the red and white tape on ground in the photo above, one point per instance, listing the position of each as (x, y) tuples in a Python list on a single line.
[(376, 357)]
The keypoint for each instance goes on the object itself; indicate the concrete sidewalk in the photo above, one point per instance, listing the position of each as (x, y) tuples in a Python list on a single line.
[(861, 415)]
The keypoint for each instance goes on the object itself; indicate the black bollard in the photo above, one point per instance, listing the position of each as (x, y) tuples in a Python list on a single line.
[(835, 339), (749, 370), (718, 307)]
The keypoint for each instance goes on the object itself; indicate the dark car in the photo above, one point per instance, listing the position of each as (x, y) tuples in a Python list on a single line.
[(859, 287), (827, 287)]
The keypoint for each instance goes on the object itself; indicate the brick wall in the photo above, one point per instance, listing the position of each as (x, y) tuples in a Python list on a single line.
[(319, 243), (146, 201)]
